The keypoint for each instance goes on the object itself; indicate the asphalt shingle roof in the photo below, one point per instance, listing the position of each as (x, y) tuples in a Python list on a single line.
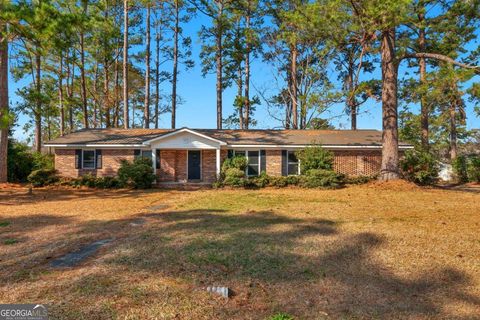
[(231, 137)]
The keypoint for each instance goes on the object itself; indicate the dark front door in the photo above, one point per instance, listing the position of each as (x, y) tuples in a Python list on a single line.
[(194, 163)]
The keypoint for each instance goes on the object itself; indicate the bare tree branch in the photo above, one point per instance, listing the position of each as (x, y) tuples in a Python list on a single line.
[(440, 57)]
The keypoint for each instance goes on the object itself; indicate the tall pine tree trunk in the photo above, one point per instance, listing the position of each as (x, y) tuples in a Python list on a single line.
[(106, 94), (241, 118), (38, 107), (390, 160), (351, 103), (424, 117), (246, 110), (175, 65), (3, 105), (96, 111), (106, 78), (125, 65), (69, 83), (83, 80), (453, 130), (116, 98), (60, 95), (158, 38), (146, 107), (294, 86), (82, 70), (219, 65)]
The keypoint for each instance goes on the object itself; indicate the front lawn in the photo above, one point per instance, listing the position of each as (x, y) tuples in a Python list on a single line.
[(381, 251)]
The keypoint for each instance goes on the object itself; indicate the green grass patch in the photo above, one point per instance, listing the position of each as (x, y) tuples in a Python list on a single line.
[(281, 316), (10, 241), (4, 223)]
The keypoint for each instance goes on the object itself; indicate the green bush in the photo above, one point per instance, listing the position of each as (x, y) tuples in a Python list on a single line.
[(419, 167), (91, 181), (360, 179), (261, 181), (88, 180), (473, 169), (137, 174), (107, 183), (237, 162), (319, 178), (315, 158), (42, 177), (279, 182), (20, 161), (235, 177), (43, 161), (284, 181), (460, 168)]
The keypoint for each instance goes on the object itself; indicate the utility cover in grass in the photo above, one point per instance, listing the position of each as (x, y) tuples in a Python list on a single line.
[(222, 291), (74, 258)]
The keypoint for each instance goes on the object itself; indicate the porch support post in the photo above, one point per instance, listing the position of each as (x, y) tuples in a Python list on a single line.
[(218, 162), (154, 161)]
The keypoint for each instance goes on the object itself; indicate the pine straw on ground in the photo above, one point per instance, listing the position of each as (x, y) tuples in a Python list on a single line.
[(377, 251)]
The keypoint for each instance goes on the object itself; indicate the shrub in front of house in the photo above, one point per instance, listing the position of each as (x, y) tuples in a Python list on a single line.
[(20, 161), (137, 174), (234, 177), (43, 177), (360, 179), (237, 162), (262, 181), (460, 169), (320, 178), (43, 161), (473, 169), (315, 157), (419, 167)]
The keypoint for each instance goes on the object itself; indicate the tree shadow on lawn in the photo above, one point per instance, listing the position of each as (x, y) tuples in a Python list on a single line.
[(292, 260), (21, 196), (301, 257)]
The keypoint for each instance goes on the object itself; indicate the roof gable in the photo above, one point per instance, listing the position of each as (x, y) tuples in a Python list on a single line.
[(184, 139)]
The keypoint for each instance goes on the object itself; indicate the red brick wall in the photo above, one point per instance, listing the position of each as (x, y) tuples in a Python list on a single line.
[(65, 162), (209, 165), (358, 163), (174, 163), (274, 162), (352, 163)]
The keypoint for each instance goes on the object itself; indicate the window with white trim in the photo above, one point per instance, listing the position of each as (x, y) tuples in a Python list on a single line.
[(88, 159), (146, 154), (253, 163), (293, 166)]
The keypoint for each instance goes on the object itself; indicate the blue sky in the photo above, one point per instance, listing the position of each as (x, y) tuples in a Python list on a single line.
[(199, 96)]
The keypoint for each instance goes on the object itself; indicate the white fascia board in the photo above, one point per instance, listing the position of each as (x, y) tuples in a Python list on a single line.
[(298, 146), (112, 146), (185, 130)]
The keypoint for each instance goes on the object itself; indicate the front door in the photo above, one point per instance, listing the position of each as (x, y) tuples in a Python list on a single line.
[(194, 163)]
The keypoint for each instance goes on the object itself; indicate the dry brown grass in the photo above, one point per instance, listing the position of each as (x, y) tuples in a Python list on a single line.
[(378, 251)]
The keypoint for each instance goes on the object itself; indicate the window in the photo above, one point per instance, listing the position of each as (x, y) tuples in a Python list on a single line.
[(253, 160), (88, 161), (146, 154), (292, 163), (142, 154)]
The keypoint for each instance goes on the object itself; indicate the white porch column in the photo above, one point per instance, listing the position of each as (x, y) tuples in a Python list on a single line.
[(154, 161), (218, 158)]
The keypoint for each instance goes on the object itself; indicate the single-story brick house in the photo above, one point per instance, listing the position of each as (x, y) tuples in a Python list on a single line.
[(195, 155)]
